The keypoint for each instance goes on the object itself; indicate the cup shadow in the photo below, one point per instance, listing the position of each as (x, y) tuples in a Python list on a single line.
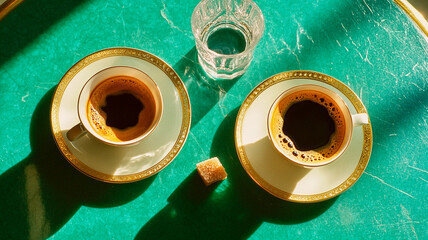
[(43, 191), (204, 91), (292, 177), (231, 209)]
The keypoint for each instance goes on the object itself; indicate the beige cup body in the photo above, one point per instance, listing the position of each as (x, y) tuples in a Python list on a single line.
[(84, 127)]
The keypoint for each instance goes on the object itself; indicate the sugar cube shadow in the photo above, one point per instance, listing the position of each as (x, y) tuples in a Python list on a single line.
[(231, 209)]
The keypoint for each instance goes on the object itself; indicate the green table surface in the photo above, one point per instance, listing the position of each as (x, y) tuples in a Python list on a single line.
[(374, 47)]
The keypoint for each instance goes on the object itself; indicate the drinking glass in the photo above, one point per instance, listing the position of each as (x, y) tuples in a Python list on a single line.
[(226, 33)]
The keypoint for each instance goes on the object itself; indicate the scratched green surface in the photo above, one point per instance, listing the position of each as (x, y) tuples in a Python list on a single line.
[(372, 46)]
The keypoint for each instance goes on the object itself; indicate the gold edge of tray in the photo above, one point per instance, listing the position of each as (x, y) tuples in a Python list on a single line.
[(414, 14), (408, 8), (8, 6)]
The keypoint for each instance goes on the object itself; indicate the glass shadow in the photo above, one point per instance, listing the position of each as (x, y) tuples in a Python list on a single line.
[(204, 91)]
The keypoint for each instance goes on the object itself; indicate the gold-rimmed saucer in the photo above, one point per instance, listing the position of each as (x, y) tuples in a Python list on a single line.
[(280, 177), (122, 164)]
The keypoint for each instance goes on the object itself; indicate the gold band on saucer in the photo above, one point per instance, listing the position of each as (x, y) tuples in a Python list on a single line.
[(129, 52), (285, 76)]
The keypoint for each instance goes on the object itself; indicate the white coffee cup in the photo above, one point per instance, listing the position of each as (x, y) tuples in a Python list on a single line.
[(145, 85), (338, 141)]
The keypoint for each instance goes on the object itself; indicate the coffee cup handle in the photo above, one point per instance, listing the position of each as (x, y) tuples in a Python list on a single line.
[(360, 119), (75, 132)]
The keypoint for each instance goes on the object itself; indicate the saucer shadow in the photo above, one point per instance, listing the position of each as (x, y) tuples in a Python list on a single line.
[(263, 205), (231, 209), (204, 91), (292, 177), (43, 191)]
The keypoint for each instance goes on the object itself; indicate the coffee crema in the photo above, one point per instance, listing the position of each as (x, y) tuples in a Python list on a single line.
[(121, 108), (309, 126)]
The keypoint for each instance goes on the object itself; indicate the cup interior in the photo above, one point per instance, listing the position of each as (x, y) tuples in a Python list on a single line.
[(288, 148), (108, 73)]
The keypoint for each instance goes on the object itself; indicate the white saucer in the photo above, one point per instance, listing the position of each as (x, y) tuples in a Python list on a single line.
[(122, 164), (275, 174)]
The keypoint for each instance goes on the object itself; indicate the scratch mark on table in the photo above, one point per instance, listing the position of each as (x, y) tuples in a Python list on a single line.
[(298, 40), (190, 59), (384, 121), (197, 142), (37, 86), (353, 43), (316, 4), (170, 23), (393, 75), (208, 81), (23, 98), (221, 97), (423, 179), (417, 169), (300, 31), (378, 224), (274, 44), (119, 19), (397, 224), (186, 70), (405, 212), (389, 185), (423, 41), (347, 78), (361, 56), (291, 51), (368, 6), (346, 30), (384, 28), (416, 85), (366, 59), (413, 68)]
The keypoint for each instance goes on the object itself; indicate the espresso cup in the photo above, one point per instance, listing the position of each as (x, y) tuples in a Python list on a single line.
[(119, 106), (311, 125)]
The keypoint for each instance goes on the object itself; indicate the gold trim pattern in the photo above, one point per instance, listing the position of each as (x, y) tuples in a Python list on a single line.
[(356, 102), (120, 51)]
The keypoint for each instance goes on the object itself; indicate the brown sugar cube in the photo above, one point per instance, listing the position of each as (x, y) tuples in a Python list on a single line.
[(211, 171)]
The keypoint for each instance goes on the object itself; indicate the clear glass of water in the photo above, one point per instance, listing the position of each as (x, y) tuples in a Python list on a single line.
[(226, 33)]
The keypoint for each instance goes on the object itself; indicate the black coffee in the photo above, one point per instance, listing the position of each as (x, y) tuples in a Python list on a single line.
[(308, 125), (122, 110)]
